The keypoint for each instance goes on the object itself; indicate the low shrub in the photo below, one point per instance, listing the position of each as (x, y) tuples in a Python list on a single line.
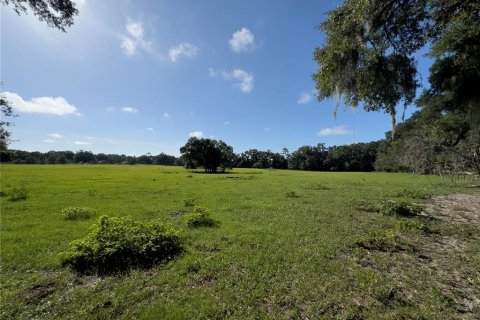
[(387, 241), (412, 194), (116, 244), (400, 208), (199, 217), (17, 193), (291, 194), (410, 225), (188, 202), (78, 213)]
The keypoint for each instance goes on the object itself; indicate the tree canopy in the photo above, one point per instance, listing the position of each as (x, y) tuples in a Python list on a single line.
[(56, 13), (369, 53), (207, 153)]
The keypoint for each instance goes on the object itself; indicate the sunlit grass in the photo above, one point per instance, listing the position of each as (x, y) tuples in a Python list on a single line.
[(276, 250)]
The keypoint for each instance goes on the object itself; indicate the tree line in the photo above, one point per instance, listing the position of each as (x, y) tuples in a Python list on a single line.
[(220, 157)]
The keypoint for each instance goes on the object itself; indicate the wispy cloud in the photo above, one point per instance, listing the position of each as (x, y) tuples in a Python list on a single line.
[(58, 106), (241, 78), (184, 49), (82, 143), (129, 110), (150, 129), (196, 134), (242, 40), (55, 135), (304, 98), (266, 129), (134, 40), (226, 123), (49, 141), (335, 131), (111, 109), (166, 115)]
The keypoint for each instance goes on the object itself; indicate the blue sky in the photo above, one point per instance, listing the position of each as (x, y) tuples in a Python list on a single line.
[(134, 77)]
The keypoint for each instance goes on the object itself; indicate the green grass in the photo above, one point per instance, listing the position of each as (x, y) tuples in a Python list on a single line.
[(270, 256)]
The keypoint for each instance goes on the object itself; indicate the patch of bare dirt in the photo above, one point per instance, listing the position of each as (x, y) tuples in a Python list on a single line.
[(456, 208), (38, 292), (444, 262)]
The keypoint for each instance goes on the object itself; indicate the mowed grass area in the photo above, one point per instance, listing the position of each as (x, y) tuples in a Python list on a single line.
[(286, 247)]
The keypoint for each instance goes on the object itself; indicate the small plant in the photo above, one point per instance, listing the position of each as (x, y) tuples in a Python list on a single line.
[(366, 206), (412, 226), (188, 202), (199, 217), (117, 244), (385, 241), (320, 186), (17, 193), (291, 194), (78, 213), (400, 208), (413, 194)]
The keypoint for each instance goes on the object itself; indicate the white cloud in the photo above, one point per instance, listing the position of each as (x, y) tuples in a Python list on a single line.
[(166, 115), (49, 140), (150, 129), (129, 47), (57, 106), (111, 109), (82, 143), (334, 131), (304, 98), (196, 134), (129, 110), (55, 135), (134, 40), (243, 80), (183, 49), (242, 40)]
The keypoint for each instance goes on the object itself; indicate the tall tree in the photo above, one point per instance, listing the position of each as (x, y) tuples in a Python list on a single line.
[(207, 153), (56, 13), (6, 111), (369, 53)]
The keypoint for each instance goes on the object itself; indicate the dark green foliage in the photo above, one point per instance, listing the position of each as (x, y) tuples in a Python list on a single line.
[(17, 193), (5, 111), (56, 13), (399, 208), (199, 217), (116, 244), (291, 194), (210, 154), (188, 202), (369, 55), (78, 213)]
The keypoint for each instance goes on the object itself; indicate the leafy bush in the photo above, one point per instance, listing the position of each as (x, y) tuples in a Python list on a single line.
[(188, 202), (17, 193), (78, 213), (117, 244), (400, 208), (199, 217), (412, 226), (291, 194)]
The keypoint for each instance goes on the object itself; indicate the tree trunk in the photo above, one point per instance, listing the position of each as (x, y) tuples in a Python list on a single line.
[(393, 114)]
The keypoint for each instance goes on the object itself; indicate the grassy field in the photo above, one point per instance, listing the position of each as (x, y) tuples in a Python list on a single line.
[(289, 245)]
